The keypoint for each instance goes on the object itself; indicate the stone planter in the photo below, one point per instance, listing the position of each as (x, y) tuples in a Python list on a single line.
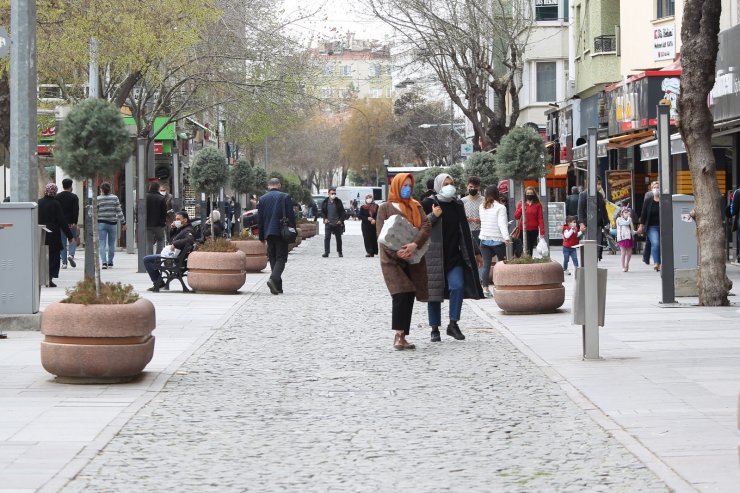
[(216, 272), (528, 288), (97, 343), (256, 254), (308, 230)]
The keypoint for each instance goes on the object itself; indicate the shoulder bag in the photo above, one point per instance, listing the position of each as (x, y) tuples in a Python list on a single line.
[(287, 232)]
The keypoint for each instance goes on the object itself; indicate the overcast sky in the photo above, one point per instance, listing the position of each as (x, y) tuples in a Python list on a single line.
[(334, 19)]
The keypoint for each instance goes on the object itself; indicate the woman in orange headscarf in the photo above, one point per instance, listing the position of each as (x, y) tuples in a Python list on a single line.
[(405, 281)]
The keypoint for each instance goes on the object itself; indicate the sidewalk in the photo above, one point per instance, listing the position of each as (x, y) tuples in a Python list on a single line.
[(666, 390)]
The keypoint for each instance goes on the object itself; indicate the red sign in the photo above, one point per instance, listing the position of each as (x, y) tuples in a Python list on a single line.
[(157, 147), (45, 149)]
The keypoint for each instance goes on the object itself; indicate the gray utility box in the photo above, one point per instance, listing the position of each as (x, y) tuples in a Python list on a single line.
[(579, 297), (685, 245), (19, 258)]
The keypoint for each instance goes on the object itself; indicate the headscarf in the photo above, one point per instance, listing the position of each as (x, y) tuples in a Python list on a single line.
[(372, 206), (410, 206), (439, 183), (51, 190)]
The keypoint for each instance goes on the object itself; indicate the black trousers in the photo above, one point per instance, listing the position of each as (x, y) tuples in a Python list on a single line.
[(403, 307), (277, 253), (335, 229), (532, 236), (54, 262), (370, 238)]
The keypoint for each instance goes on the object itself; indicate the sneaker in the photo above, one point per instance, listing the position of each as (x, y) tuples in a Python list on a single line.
[(105, 266), (71, 260), (64, 266), (110, 265)]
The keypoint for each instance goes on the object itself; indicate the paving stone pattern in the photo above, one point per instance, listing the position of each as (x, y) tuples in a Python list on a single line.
[(303, 392)]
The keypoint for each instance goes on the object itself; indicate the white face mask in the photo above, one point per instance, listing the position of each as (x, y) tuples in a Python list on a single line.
[(368, 201), (162, 192), (448, 191), (178, 224)]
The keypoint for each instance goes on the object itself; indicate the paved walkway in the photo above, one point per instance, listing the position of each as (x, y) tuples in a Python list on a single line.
[(303, 392)]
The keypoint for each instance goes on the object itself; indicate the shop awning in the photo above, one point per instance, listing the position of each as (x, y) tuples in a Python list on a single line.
[(629, 140), (560, 170), (650, 150)]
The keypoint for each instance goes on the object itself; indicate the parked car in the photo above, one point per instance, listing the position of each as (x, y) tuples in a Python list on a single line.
[(319, 199), (249, 220)]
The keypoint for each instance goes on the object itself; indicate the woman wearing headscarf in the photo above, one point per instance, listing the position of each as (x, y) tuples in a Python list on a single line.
[(368, 215), (405, 281), (452, 265), (50, 214)]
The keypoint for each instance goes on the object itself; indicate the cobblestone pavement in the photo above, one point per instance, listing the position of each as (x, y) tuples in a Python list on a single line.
[(303, 392)]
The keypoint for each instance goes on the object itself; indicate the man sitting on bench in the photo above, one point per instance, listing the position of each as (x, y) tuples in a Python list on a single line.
[(182, 235)]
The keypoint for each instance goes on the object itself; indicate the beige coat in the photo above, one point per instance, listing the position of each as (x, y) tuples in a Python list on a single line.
[(399, 275)]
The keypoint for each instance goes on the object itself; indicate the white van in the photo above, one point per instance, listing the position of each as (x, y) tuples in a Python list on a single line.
[(348, 194)]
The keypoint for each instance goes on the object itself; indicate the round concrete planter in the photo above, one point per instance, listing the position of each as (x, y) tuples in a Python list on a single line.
[(256, 253), (97, 343), (308, 230), (528, 288), (216, 272)]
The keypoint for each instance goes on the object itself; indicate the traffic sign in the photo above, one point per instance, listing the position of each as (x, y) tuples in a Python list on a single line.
[(4, 42), (466, 149)]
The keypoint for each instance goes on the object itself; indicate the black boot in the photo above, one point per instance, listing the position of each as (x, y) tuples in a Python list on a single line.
[(435, 334), (454, 331)]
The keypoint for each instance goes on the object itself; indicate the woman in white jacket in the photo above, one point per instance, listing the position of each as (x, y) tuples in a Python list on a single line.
[(494, 233)]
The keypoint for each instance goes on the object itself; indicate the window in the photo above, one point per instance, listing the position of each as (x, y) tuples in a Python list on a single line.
[(546, 83), (375, 93), (329, 69), (666, 8), (345, 70), (326, 92), (374, 70), (546, 10)]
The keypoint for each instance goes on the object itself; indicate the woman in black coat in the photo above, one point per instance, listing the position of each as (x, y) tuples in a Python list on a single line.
[(52, 217), (452, 259), (368, 215)]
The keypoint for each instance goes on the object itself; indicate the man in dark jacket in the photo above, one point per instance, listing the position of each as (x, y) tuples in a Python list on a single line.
[(52, 217), (571, 202), (182, 237), (332, 211), (270, 210), (602, 217), (156, 214), (71, 208)]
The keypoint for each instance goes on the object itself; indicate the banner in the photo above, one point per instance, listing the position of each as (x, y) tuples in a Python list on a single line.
[(618, 185)]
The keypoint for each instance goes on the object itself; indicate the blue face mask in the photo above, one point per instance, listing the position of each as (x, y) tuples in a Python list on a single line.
[(406, 192)]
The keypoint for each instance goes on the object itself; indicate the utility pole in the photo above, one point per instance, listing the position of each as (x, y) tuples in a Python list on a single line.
[(23, 88), (92, 93)]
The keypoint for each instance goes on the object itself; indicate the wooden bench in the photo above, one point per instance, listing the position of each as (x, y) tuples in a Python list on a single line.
[(175, 268)]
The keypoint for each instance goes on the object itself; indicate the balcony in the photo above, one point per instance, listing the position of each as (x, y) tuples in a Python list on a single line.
[(606, 43)]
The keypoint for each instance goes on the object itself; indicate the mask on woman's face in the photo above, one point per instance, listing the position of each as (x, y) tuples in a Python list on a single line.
[(530, 197), (448, 191), (368, 201), (178, 224), (405, 192)]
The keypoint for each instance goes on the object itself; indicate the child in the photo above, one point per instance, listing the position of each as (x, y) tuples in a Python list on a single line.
[(570, 240), (625, 235)]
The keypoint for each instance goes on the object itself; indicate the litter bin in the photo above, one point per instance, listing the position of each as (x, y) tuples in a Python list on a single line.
[(19, 258), (579, 297)]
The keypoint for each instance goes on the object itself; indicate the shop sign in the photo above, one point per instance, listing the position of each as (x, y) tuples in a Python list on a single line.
[(664, 42), (157, 147), (618, 185), (724, 99), (632, 105), (580, 153), (546, 3)]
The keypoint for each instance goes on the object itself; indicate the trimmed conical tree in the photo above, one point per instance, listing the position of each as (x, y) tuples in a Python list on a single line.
[(242, 179), (521, 156), (93, 141), (482, 165), (209, 171)]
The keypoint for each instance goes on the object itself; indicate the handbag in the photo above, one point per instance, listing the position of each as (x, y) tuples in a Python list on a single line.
[(517, 233), (287, 232)]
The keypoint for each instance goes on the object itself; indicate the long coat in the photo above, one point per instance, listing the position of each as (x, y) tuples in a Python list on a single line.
[(51, 215), (435, 257), (399, 275)]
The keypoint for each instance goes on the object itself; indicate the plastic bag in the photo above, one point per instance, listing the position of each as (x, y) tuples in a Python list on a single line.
[(396, 232), (541, 250)]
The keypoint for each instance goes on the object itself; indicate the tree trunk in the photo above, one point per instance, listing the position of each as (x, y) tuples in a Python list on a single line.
[(5, 110), (95, 240), (524, 218), (698, 59)]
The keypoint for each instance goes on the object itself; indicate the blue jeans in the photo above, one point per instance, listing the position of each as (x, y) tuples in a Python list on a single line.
[(151, 264), (456, 286), (107, 237), (569, 253), (69, 249), (653, 232), (487, 252)]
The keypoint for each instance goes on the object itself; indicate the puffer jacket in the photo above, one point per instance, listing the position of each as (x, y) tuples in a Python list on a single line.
[(435, 257)]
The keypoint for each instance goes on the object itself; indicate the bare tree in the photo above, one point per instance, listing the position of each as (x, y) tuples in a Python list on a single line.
[(699, 35), (473, 47)]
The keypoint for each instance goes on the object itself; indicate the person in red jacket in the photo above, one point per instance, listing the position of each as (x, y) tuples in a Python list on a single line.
[(535, 220)]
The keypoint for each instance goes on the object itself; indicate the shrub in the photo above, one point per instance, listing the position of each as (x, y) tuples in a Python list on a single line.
[(217, 245), (83, 293), (482, 165), (209, 170), (526, 259)]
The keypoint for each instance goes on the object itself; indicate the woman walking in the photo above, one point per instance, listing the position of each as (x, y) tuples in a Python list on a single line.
[(368, 215), (451, 259), (535, 219), (109, 213), (405, 281), (650, 221), (494, 234)]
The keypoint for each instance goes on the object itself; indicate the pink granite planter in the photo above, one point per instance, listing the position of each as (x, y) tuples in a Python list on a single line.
[(216, 272), (256, 253), (528, 288), (97, 343)]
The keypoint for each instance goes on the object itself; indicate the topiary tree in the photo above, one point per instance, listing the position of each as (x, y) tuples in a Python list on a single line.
[(209, 171), (521, 156), (455, 171), (482, 165), (242, 181), (93, 141)]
